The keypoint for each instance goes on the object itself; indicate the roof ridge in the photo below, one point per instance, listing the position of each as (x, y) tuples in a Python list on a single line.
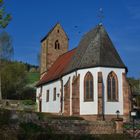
[(49, 31)]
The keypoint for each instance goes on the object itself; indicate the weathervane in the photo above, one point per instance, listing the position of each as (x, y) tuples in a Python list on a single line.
[(101, 16)]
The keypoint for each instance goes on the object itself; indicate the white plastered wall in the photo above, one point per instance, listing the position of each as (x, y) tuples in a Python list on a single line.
[(110, 108), (51, 106), (86, 108)]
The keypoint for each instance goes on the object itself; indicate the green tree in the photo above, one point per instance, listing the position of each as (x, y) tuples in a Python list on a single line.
[(135, 83), (6, 52), (4, 17), (5, 47), (14, 80)]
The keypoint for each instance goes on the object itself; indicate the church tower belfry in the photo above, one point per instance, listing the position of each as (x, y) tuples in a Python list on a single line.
[(54, 44)]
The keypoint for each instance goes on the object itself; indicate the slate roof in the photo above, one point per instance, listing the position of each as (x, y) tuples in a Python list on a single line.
[(94, 50)]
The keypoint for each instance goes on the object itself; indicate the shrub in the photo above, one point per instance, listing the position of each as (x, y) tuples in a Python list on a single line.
[(31, 130), (28, 102), (31, 127), (29, 93), (4, 117), (49, 116)]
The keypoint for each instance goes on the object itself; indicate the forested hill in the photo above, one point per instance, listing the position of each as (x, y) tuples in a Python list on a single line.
[(29, 67), (135, 83), (32, 72)]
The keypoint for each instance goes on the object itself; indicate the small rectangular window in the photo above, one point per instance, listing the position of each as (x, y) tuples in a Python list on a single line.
[(54, 94), (47, 96)]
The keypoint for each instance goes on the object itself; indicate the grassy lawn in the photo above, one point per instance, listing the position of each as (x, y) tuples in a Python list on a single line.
[(32, 77)]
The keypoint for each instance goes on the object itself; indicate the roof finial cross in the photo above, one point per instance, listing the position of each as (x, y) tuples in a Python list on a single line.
[(101, 16)]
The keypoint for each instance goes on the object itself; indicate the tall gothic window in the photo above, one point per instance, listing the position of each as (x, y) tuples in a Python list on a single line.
[(88, 87), (112, 87), (57, 45)]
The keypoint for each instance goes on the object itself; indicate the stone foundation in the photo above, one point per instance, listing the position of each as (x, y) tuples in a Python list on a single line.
[(63, 125), (81, 127), (106, 117)]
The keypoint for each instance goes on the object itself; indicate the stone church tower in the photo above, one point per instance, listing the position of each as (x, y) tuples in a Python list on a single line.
[(54, 44)]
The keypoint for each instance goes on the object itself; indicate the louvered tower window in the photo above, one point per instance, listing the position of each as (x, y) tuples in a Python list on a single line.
[(57, 45)]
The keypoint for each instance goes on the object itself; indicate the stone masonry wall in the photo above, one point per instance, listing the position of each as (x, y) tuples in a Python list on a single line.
[(67, 98), (126, 97), (49, 53), (57, 34), (65, 125), (76, 95), (81, 127), (100, 96)]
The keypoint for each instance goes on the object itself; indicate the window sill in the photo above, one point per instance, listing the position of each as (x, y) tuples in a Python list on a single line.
[(88, 100)]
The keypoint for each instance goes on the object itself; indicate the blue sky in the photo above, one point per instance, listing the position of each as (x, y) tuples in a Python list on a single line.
[(32, 19)]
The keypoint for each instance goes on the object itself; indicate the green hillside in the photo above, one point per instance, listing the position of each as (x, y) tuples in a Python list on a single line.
[(32, 77)]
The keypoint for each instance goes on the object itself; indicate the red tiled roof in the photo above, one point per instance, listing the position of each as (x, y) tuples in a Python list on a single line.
[(58, 68)]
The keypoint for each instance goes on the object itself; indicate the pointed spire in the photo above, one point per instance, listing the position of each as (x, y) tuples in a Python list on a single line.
[(101, 16)]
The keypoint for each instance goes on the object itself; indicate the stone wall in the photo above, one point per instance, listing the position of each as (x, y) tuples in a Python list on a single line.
[(16, 105), (67, 98), (81, 127), (76, 95), (69, 125), (100, 97), (62, 124), (126, 97)]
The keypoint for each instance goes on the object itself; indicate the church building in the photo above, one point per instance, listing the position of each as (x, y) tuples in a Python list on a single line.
[(87, 81)]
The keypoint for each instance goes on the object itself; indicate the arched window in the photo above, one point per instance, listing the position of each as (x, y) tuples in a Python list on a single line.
[(57, 45), (88, 87), (112, 87)]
